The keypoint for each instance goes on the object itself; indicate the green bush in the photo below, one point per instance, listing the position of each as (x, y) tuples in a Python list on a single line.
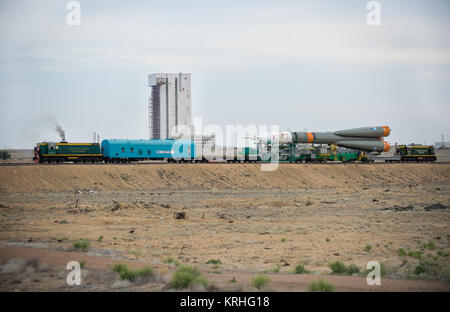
[(187, 276), (419, 269), (276, 269), (431, 268), (300, 269), (442, 253), (214, 261), (171, 260), (321, 286), (415, 254), (383, 270), (100, 238), (260, 281), (337, 267), (352, 269), (126, 274), (429, 246), (81, 244), (368, 247), (401, 252)]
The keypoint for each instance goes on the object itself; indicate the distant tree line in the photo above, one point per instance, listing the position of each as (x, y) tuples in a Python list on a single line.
[(4, 155)]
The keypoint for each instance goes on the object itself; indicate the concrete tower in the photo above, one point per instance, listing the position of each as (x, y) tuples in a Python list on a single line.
[(169, 105)]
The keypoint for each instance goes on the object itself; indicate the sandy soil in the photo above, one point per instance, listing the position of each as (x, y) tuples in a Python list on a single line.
[(252, 221)]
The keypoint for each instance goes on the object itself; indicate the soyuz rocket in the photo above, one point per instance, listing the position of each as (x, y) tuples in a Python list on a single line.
[(368, 139)]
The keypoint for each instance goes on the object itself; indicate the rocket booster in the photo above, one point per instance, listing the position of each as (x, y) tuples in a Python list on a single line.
[(365, 138)]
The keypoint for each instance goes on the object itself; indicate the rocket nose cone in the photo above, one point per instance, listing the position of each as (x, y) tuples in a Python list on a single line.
[(387, 131)]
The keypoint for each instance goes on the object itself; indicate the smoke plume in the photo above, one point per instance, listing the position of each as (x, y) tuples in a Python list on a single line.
[(55, 126)]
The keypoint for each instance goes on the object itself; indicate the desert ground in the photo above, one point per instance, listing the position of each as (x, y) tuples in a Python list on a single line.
[(253, 221)]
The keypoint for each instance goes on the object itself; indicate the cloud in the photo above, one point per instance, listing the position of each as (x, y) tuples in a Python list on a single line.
[(265, 38)]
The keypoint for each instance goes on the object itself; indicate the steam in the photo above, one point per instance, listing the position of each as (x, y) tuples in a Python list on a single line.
[(56, 126)]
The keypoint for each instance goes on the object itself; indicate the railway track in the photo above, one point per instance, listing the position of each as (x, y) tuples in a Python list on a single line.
[(208, 163)]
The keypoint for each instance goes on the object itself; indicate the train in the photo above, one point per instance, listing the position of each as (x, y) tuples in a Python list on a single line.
[(170, 150), (181, 151)]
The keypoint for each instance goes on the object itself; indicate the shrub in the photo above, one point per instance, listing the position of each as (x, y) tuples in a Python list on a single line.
[(187, 276), (81, 244), (126, 274), (260, 281), (383, 269), (214, 261), (401, 252), (233, 280), (327, 240), (429, 246), (368, 247), (337, 267), (276, 269), (300, 269), (428, 267), (82, 264), (283, 240), (442, 253), (321, 285), (419, 269), (171, 260), (100, 238), (352, 269), (415, 254)]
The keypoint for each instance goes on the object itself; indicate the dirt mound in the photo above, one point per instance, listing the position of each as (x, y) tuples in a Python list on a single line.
[(53, 178)]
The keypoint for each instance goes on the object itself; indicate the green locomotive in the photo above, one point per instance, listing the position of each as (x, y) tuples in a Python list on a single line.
[(417, 153), (63, 151)]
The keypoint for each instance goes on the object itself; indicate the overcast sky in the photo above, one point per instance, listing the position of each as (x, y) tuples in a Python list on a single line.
[(312, 65)]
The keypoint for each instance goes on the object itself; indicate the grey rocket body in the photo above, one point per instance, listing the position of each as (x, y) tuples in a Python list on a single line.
[(365, 138)]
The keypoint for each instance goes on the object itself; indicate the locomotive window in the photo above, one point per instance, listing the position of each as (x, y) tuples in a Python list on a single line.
[(140, 152), (131, 150), (149, 152), (123, 150)]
